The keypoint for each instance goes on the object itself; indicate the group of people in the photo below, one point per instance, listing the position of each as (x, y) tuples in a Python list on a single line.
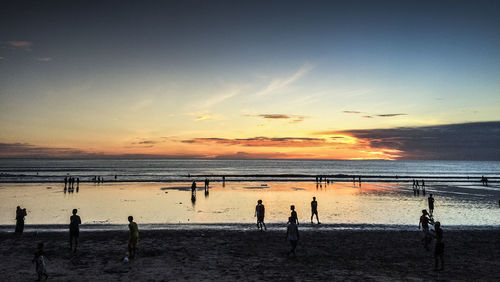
[(292, 233), (74, 235), (98, 179), (428, 236), (417, 186), (484, 180)]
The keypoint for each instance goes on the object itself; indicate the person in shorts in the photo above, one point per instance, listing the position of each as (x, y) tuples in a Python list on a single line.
[(133, 237), (424, 223), (259, 213), (74, 230), (314, 210), (439, 247), (292, 235)]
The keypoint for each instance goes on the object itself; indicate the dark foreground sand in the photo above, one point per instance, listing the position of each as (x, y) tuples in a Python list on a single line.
[(252, 255)]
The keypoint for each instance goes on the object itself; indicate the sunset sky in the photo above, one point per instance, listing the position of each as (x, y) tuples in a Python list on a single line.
[(250, 79)]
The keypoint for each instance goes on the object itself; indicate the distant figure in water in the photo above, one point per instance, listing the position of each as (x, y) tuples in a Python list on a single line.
[(430, 200), (424, 222), (439, 247), (193, 188), (207, 182), (260, 213), (77, 182), (294, 214), (292, 235), (39, 261), (116, 176), (314, 210), (74, 230), (20, 214), (133, 236)]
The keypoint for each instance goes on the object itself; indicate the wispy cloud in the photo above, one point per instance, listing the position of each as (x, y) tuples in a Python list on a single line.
[(280, 83), (204, 117), (292, 118), (219, 98), (26, 45), (373, 115), (390, 115), (1, 58), (44, 59), (263, 141), (142, 104)]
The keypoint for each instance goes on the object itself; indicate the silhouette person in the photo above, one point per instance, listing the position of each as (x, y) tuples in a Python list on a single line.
[(292, 235), (77, 182), (133, 237), (65, 181), (20, 214), (74, 230), (39, 261), (293, 214), (193, 189), (424, 222), (430, 200), (439, 247), (260, 211), (314, 210)]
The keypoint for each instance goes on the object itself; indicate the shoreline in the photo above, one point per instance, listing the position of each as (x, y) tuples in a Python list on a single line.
[(227, 255), (271, 226), (276, 178)]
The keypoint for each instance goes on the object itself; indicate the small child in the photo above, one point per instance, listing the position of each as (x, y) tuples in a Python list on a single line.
[(39, 261)]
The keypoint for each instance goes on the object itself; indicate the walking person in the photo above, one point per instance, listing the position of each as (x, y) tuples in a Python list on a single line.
[(259, 213), (430, 200), (314, 210), (439, 247), (74, 230), (133, 237), (292, 235)]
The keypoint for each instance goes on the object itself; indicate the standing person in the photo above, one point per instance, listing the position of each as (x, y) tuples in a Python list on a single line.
[(294, 214), (65, 181), (77, 182), (259, 213), (431, 203), (39, 261), (292, 235), (314, 210), (439, 247), (74, 230), (20, 214), (193, 189), (206, 183), (424, 222), (133, 236)]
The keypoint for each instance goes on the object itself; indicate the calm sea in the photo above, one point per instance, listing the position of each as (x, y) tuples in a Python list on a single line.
[(143, 170)]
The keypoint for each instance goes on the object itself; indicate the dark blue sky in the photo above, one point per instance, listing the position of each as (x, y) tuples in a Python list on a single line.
[(119, 69)]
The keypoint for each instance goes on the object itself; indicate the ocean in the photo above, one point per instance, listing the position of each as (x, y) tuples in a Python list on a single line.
[(158, 192), (164, 170)]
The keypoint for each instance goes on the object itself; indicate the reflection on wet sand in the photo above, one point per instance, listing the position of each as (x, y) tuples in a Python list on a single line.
[(234, 202)]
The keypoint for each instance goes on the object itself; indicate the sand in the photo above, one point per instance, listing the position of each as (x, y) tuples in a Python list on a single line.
[(251, 255)]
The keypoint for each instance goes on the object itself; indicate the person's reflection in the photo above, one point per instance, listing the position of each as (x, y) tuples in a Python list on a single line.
[(193, 199)]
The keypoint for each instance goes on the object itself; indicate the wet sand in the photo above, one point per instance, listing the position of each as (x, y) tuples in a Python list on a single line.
[(251, 255)]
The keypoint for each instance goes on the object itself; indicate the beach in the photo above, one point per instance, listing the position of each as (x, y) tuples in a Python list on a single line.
[(229, 255)]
